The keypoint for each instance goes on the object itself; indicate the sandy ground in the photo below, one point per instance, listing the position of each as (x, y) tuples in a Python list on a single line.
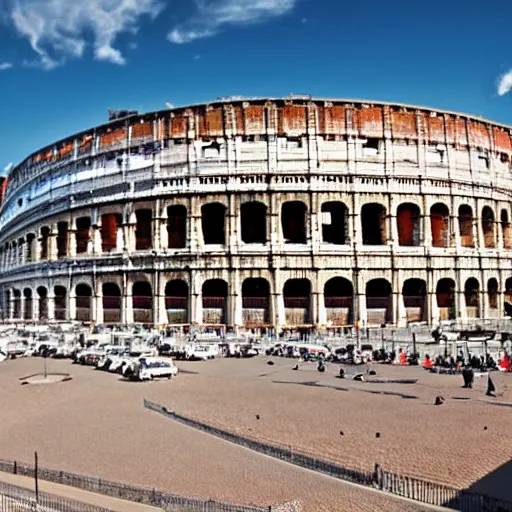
[(96, 424)]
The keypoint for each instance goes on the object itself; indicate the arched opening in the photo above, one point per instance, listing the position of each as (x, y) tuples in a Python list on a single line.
[(440, 225), (445, 296), (414, 293), (408, 219), (472, 296), (83, 302), (335, 223), (297, 302), (215, 293), (213, 222), (111, 303), (493, 296), (29, 304), (143, 229), (505, 230), (373, 223), (16, 304), (176, 301), (83, 234), (488, 223), (253, 217), (29, 255), (339, 300), (294, 222), (62, 239), (110, 224), (142, 302), (255, 302), (45, 239), (379, 302), (176, 227), (507, 297), (466, 226), (60, 302), (42, 293)]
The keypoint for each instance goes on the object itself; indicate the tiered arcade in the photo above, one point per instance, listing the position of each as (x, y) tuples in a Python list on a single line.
[(264, 213)]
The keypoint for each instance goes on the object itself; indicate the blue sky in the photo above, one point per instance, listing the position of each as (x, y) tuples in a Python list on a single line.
[(63, 63)]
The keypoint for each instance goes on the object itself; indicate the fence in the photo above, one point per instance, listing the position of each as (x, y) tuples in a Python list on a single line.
[(407, 487), (19, 499), (134, 493)]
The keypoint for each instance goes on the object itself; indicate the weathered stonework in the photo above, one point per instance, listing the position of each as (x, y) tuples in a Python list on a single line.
[(406, 208)]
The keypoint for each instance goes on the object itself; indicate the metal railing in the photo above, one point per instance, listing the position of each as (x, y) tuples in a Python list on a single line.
[(153, 497), (19, 499), (413, 488)]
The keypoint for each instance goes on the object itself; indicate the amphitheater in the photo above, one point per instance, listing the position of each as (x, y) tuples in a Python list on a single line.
[(262, 214)]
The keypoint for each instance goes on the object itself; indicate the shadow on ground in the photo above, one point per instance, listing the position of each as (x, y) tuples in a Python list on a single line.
[(495, 485)]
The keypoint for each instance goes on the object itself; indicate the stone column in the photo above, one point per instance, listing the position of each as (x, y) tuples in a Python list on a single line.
[(427, 230), (98, 316), (11, 305), (402, 311), (71, 309), (314, 316), (51, 305), (23, 305), (96, 240), (164, 235), (52, 243), (35, 306), (162, 309)]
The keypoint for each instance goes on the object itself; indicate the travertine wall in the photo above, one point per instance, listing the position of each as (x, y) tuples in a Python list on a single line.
[(424, 168)]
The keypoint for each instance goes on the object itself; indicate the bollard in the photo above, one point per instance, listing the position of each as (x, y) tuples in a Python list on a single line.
[(15, 468)]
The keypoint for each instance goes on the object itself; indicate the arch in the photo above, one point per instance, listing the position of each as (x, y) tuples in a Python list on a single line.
[(213, 222), (472, 296), (215, 293), (253, 219), (408, 220), (466, 226), (42, 294), (142, 302), (60, 302), (492, 293), (29, 254), (83, 299), (488, 227), (62, 239), (176, 301), (110, 224), (143, 234), (335, 223), (297, 302), (255, 302), (445, 296), (45, 242), (379, 302), (505, 229), (373, 224), (440, 225), (28, 313), (83, 234), (111, 303), (294, 222), (339, 301), (16, 303), (414, 292), (177, 227)]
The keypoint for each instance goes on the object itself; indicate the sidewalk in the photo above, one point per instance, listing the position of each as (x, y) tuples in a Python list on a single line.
[(63, 491)]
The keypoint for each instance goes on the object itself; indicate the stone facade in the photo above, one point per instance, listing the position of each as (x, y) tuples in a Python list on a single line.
[(263, 213)]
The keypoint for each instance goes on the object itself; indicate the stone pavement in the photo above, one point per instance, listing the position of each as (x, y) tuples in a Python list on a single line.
[(63, 491)]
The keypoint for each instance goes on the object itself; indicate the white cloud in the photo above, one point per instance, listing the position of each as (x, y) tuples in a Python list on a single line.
[(213, 15), (58, 30), (505, 83), (4, 66)]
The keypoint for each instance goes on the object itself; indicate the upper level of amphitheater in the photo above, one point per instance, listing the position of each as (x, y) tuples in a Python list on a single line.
[(234, 142)]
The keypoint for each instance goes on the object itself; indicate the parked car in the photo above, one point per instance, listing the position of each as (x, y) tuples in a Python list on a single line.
[(149, 368)]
